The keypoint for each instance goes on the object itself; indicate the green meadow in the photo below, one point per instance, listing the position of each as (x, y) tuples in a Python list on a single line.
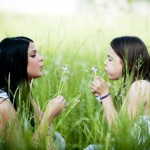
[(79, 43)]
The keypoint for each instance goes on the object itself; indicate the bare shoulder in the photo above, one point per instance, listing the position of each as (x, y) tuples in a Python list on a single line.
[(140, 90), (7, 110), (142, 85)]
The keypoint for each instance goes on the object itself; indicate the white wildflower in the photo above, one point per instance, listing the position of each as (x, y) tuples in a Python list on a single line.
[(65, 69), (94, 69)]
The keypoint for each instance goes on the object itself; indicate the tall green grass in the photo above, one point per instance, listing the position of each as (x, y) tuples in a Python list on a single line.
[(80, 43)]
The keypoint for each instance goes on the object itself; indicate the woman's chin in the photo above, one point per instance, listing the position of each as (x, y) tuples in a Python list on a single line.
[(39, 76), (34, 77), (112, 78)]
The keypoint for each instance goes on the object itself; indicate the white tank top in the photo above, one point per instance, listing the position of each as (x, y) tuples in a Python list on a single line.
[(4, 95)]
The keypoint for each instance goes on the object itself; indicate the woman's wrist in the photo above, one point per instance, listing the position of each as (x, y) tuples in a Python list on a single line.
[(104, 96), (100, 98), (47, 118)]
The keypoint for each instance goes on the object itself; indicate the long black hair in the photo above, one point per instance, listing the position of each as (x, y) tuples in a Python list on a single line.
[(13, 64), (135, 56)]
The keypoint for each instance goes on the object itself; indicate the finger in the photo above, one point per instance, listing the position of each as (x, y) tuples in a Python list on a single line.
[(60, 97), (92, 87), (96, 94), (102, 80), (92, 91), (64, 103), (97, 80), (95, 83), (97, 77)]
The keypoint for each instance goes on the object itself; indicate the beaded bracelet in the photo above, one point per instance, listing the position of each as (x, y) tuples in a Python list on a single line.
[(99, 99)]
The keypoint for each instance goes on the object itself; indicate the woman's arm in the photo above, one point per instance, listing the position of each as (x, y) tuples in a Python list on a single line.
[(53, 109), (136, 100), (100, 88), (44, 131), (109, 109)]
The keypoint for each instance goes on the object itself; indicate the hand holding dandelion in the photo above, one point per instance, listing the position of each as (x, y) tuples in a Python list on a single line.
[(99, 88), (94, 69), (54, 108)]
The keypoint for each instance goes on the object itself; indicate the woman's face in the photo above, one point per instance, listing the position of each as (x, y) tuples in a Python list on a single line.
[(35, 62), (113, 65)]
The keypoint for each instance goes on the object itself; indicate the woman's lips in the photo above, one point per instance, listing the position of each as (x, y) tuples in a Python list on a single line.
[(41, 67)]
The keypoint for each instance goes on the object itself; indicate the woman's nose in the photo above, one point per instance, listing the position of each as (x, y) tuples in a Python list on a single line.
[(105, 62), (41, 58)]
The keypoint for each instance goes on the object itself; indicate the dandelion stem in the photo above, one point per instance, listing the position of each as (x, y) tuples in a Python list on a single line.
[(60, 84)]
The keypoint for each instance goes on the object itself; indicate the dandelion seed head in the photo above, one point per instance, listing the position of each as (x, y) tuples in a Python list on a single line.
[(94, 69), (65, 69)]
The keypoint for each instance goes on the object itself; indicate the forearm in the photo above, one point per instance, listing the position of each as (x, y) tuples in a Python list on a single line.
[(53, 108), (109, 109), (44, 133), (45, 124)]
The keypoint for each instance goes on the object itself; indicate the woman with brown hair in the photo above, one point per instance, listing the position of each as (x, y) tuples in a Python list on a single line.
[(127, 60)]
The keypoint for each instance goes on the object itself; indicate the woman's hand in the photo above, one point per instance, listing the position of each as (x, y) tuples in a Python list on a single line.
[(56, 105), (54, 108), (99, 87)]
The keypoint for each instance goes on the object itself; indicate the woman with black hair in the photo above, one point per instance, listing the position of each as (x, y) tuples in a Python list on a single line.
[(19, 64)]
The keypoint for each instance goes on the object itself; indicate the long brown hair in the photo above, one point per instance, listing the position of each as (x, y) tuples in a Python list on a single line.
[(134, 55)]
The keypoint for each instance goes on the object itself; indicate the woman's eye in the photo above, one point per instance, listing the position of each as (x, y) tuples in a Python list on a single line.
[(33, 56)]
